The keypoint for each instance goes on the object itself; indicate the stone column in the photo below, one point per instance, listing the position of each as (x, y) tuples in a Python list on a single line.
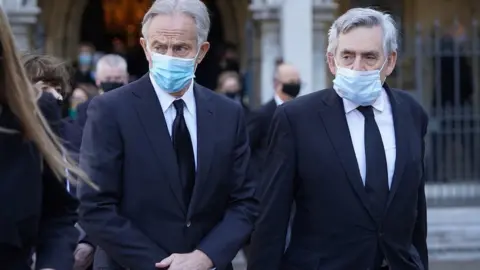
[(266, 12), (297, 40), (324, 12), (22, 15)]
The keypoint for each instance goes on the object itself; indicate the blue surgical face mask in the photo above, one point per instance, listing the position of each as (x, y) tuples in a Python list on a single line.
[(172, 74), (360, 87), (85, 59)]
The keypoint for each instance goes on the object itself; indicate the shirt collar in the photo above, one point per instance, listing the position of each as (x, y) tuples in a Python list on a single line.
[(278, 100), (378, 105), (166, 99)]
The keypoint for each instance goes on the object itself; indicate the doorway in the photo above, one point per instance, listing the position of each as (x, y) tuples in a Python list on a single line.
[(115, 21)]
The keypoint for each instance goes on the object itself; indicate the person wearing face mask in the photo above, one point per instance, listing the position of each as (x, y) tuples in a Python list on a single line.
[(351, 158), (287, 87), (83, 73), (111, 73), (50, 75), (169, 157), (229, 85)]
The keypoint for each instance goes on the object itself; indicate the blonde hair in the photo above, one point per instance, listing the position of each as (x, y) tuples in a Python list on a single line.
[(18, 94)]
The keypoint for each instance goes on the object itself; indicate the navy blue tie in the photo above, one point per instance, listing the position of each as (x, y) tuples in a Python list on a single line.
[(376, 180), (182, 142)]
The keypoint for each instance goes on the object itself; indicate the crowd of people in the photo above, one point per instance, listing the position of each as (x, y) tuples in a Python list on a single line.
[(160, 172)]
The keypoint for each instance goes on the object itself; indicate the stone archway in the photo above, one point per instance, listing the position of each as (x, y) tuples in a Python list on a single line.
[(62, 22)]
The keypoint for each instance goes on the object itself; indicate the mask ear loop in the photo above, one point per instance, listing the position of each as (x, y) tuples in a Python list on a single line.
[(380, 71)]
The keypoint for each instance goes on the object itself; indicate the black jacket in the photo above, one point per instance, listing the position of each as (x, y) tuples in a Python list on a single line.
[(37, 213)]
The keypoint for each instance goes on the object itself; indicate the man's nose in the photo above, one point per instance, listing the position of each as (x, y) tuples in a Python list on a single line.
[(358, 64), (169, 51)]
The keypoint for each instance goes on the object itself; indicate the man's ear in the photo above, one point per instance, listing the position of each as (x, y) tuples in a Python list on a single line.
[(331, 63), (204, 48)]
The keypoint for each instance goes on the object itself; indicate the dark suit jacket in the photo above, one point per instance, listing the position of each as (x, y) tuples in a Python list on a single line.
[(82, 113), (311, 161), (138, 217), (37, 212), (258, 125), (71, 135)]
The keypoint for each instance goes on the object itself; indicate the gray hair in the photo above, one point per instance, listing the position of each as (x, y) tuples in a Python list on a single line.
[(112, 60), (364, 17), (193, 8)]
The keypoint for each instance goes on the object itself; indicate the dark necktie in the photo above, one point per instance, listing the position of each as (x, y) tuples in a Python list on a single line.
[(376, 180), (184, 151)]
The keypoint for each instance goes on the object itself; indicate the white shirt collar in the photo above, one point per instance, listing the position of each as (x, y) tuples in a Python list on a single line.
[(378, 105), (166, 99), (278, 100)]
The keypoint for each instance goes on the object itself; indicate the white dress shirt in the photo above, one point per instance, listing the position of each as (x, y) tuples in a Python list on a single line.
[(356, 125), (169, 112), (278, 100), (190, 112)]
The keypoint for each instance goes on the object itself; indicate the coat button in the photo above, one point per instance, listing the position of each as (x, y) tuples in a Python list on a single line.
[(189, 224)]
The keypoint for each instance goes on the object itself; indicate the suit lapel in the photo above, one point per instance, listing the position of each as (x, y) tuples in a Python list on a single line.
[(206, 142), (272, 106), (402, 120), (150, 114), (335, 122)]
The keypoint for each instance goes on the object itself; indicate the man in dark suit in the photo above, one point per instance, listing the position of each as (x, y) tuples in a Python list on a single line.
[(111, 73), (169, 157), (287, 87), (351, 158)]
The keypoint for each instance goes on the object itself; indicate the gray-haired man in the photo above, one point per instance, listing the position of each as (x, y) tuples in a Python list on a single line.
[(351, 158), (111, 73), (169, 157)]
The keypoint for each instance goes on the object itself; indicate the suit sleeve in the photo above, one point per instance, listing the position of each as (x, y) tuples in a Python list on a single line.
[(57, 236), (254, 129), (228, 237), (102, 159), (84, 238), (420, 231), (276, 197)]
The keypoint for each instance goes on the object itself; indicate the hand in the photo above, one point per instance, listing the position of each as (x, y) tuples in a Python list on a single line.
[(83, 256), (196, 260)]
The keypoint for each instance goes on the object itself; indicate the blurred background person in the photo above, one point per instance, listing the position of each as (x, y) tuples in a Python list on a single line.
[(112, 73), (41, 214), (50, 74), (230, 85), (79, 96), (229, 60), (84, 64), (96, 56), (287, 85)]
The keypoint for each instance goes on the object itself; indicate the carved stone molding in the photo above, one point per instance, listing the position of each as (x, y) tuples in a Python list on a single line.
[(265, 10), (324, 10)]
